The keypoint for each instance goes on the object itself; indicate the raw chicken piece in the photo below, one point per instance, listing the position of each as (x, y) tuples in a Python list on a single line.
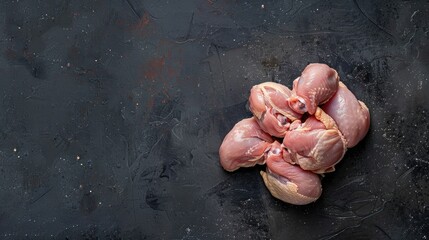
[(318, 120), (268, 103), (315, 145), (244, 146), (288, 182), (317, 84), (351, 115)]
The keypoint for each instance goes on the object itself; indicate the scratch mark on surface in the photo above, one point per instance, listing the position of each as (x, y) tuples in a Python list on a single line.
[(215, 187), (335, 234), (221, 67), (133, 9), (178, 135), (386, 57), (382, 230), (375, 212), (357, 180), (188, 34), (373, 21), (130, 177), (139, 170), (413, 15), (292, 33), (291, 7), (301, 8), (337, 212), (410, 40), (405, 174), (41, 196)]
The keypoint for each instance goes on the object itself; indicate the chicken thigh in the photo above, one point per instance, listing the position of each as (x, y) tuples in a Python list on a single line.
[(244, 146), (317, 84), (351, 115), (268, 103), (288, 182), (315, 145)]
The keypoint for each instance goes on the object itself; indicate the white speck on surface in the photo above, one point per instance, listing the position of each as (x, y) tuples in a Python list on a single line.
[(262, 6), (14, 150), (188, 230), (420, 85)]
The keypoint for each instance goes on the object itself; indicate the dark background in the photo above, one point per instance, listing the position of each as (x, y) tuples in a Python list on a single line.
[(112, 113)]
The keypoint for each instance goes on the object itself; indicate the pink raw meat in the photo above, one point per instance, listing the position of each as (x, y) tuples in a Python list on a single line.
[(316, 122), (317, 84), (351, 115), (268, 103), (288, 182), (244, 146), (315, 145)]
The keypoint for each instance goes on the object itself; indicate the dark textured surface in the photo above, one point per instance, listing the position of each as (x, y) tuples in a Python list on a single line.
[(112, 114)]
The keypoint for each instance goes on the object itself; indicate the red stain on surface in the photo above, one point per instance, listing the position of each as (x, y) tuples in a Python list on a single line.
[(171, 72), (159, 74), (153, 69), (144, 26), (144, 21), (10, 54)]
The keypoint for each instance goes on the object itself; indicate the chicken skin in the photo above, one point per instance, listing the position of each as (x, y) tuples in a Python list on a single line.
[(351, 115), (316, 85), (268, 103), (315, 146), (288, 182), (244, 146)]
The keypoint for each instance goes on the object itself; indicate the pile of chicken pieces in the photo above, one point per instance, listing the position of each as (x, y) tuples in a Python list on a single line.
[(299, 134)]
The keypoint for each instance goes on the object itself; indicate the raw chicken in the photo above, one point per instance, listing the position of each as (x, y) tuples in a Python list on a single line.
[(317, 84), (268, 103), (244, 146), (318, 120), (315, 145), (288, 182), (351, 115)]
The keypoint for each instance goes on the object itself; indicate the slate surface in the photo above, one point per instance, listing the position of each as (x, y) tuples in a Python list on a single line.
[(112, 113)]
